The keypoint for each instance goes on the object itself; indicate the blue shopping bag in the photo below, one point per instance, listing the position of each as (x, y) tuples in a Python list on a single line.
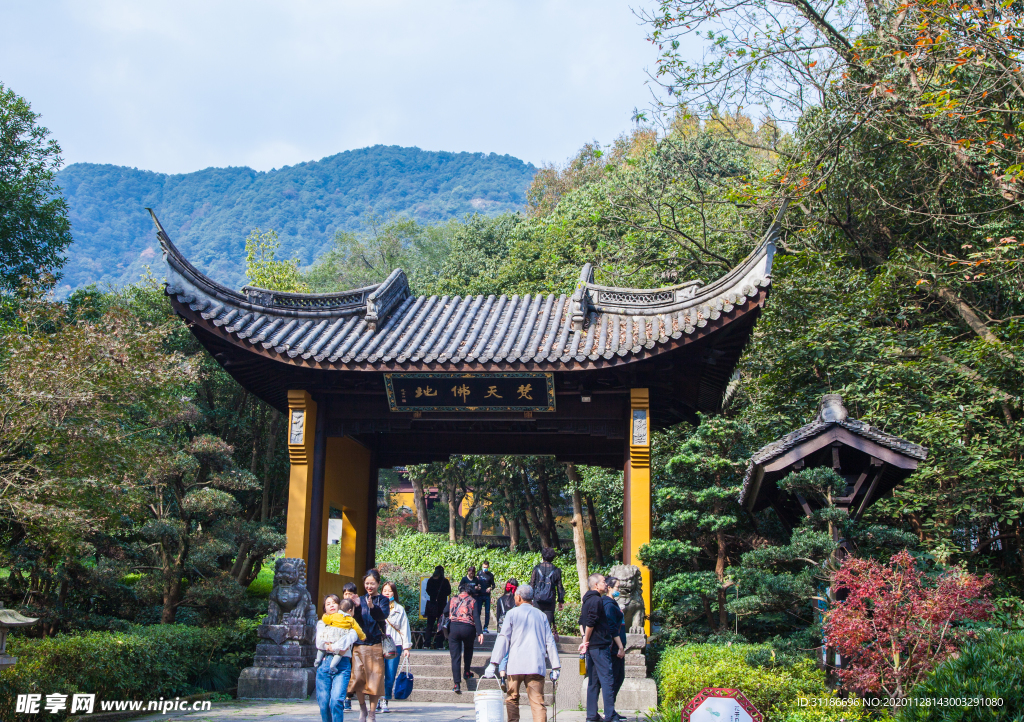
[(403, 682)]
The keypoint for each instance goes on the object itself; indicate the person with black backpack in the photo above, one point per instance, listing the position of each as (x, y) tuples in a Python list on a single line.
[(548, 592)]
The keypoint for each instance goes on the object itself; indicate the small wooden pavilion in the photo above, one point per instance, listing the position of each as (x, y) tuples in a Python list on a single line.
[(871, 461), (378, 377)]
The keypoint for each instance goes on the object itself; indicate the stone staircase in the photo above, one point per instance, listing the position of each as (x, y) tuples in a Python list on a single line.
[(433, 675)]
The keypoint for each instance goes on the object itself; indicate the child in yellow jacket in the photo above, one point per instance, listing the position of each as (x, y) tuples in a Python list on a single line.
[(337, 627)]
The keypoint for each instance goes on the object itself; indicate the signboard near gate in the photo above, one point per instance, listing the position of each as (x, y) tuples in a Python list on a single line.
[(718, 704), (499, 391)]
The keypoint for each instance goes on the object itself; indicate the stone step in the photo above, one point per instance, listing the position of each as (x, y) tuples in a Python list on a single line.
[(449, 697), (468, 685)]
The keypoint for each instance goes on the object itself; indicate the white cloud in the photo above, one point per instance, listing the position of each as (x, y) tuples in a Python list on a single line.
[(179, 85)]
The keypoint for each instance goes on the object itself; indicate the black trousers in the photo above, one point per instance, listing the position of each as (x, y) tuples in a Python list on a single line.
[(599, 682), (618, 671), (483, 609), (432, 634), (461, 638), (549, 611)]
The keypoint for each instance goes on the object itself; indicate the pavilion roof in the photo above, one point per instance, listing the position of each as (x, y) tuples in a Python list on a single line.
[(384, 325), (831, 415)]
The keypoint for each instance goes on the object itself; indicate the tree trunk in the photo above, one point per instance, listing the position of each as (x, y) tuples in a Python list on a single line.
[(453, 513), (595, 533), (706, 603), (531, 542), (513, 532), (420, 501), (275, 431), (723, 615), (579, 541), (549, 515), (174, 569), (531, 512)]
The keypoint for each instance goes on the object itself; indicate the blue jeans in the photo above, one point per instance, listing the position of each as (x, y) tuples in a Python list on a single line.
[(600, 683), (331, 689), (503, 664), (390, 671)]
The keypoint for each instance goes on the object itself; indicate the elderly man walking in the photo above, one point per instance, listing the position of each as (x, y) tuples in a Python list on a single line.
[(526, 636)]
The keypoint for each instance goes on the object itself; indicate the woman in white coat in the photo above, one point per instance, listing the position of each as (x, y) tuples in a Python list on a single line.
[(396, 627)]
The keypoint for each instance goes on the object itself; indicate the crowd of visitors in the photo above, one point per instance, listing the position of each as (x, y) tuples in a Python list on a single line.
[(362, 639)]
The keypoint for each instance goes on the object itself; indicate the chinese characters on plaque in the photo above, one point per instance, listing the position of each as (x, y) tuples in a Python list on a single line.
[(502, 391)]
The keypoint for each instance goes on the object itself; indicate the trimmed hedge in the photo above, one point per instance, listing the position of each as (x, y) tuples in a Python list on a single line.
[(684, 671), (420, 553), (146, 663), (407, 556), (991, 667)]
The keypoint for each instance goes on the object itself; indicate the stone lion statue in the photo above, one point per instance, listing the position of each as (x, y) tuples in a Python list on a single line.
[(290, 602), (631, 599)]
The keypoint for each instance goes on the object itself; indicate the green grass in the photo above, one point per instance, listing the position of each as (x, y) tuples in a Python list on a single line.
[(263, 582)]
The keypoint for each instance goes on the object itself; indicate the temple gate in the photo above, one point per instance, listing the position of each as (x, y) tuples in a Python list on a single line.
[(377, 377)]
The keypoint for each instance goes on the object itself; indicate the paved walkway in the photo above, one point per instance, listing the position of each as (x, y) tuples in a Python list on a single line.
[(257, 711)]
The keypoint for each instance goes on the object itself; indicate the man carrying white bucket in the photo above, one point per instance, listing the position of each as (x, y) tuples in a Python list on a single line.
[(526, 636)]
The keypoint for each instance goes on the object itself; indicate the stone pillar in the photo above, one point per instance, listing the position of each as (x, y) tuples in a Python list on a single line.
[(637, 491)]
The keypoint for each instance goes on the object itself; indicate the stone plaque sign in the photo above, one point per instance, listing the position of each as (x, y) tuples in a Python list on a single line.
[(501, 391), (717, 704), (639, 427), (296, 426)]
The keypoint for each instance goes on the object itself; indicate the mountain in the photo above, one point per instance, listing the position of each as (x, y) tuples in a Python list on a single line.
[(209, 213)]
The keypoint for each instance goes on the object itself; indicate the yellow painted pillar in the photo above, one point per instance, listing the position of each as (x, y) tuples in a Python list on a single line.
[(638, 489), (301, 430)]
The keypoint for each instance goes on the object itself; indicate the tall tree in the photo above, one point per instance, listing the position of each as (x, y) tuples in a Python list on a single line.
[(34, 226)]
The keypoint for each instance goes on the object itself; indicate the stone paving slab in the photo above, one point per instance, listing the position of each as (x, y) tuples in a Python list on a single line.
[(308, 711)]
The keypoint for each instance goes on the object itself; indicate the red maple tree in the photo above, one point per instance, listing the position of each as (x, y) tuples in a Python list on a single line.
[(895, 625)]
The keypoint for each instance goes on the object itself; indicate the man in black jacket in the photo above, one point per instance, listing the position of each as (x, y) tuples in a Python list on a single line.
[(597, 647), (483, 598)]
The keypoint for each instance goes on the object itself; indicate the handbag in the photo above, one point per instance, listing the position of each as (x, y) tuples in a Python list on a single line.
[(388, 645), (403, 682)]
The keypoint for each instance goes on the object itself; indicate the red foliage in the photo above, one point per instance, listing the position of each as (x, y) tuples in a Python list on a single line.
[(894, 625)]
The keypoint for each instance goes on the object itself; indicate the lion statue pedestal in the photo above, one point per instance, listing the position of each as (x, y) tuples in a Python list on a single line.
[(283, 666), (638, 692)]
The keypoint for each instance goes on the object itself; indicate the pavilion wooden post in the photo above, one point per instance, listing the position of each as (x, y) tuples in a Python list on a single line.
[(302, 433), (637, 491)]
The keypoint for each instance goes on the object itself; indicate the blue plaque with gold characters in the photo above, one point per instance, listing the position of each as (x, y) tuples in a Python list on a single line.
[(500, 391)]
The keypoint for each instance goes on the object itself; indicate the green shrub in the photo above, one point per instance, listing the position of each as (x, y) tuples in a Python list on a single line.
[(263, 583), (420, 553), (684, 671), (405, 557), (991, 667), (146, 663)]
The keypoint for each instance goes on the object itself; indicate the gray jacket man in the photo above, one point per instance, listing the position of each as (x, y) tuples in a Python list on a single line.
[(526, 637)]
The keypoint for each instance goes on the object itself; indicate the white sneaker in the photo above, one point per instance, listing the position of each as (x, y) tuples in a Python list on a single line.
[(382, 706)]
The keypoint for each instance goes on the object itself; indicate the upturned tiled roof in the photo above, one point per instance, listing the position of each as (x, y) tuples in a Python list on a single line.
[(829, 416), (385, 323)]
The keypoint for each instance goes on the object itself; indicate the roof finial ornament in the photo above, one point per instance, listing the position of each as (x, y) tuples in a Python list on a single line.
[(831, 408)]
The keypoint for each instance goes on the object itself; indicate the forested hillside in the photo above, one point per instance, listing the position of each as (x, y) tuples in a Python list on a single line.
[(210, 212)]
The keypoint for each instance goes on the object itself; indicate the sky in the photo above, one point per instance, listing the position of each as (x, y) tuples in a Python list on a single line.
[(180, 86)]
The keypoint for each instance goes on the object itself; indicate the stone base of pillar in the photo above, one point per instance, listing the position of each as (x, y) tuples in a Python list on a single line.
[(636, 694), (276, 683)]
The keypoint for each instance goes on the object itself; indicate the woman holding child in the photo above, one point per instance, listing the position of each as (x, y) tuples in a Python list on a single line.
[(336, 633)]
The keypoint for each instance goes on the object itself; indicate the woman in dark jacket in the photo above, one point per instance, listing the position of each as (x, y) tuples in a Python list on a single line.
[(438, 591), (617, 631), (506, 601)]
